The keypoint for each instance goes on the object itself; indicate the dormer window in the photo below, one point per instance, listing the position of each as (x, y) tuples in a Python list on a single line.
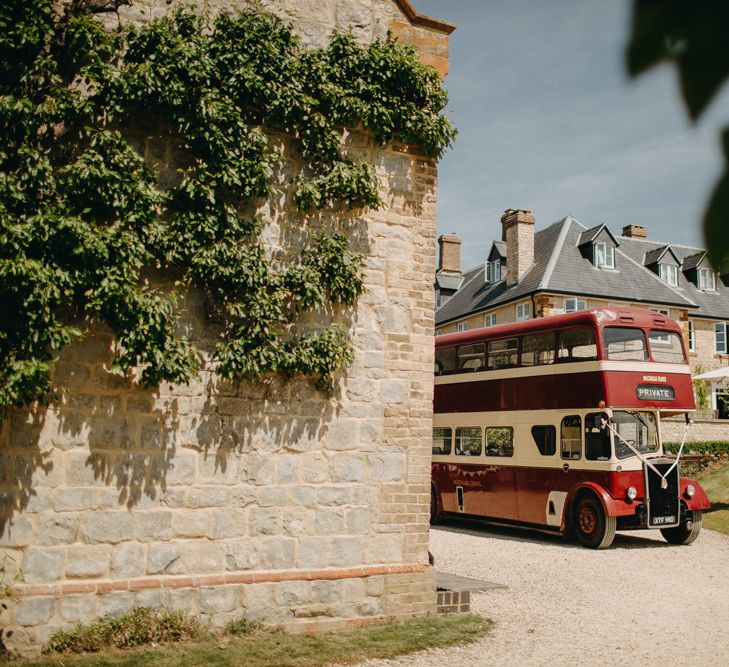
[(707, 280), (493, 271), (668, 274), (604, 256)]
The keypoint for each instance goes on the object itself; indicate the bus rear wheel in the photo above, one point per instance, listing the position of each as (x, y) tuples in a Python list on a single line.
[(686, 532), (593, 527)]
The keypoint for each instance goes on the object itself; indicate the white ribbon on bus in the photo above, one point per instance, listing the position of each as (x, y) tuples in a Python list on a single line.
[(647, 461)]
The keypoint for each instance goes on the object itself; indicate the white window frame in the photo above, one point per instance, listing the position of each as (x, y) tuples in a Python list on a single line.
[(720, 337), (493, 271), (668, 274), (579, 304), (707, 280), (463, 326), (523, 311), (604, 256), (691, 336), (489, 320), (659, 338)]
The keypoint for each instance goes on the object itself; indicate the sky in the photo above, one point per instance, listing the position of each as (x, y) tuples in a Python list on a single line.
[(549, 120)]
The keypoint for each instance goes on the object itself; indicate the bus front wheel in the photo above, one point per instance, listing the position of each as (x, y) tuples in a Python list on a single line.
[(686, 532), (593, 527)]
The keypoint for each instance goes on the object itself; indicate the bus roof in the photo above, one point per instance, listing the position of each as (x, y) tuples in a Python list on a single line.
[(596, 317)]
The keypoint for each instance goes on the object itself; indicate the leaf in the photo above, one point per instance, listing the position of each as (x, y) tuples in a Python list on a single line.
[(717, 215)]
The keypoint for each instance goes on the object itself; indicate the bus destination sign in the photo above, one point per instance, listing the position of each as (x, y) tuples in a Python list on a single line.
[(651, 392)]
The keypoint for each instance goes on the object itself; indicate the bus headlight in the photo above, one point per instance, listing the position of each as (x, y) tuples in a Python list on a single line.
[(631, 493), (690, 490)]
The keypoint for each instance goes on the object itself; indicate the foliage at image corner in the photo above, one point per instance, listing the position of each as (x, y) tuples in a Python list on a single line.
[(692, 36), (83, 217)]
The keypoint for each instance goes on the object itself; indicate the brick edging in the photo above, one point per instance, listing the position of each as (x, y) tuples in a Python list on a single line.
[(186, 581)]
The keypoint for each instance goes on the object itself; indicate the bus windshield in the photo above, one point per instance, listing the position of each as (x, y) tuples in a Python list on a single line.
[(637, 428)]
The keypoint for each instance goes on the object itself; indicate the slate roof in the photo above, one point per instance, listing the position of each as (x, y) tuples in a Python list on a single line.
[(693, 260), (652, 256), (559, 267), (591, 234)]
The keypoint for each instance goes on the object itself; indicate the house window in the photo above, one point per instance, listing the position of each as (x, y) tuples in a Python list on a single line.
[(720, 337), (668, 274), (489, 320), (493, 271), (572, 305), (707, 280), (691, 337), (437, 299), (604, 256), (462, 326), (522, 311)]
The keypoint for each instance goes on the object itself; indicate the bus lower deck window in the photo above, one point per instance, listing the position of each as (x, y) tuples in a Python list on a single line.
[(500, 441), (442, 441), (469, 441), (571, 437), (545, 437), (597, 438)]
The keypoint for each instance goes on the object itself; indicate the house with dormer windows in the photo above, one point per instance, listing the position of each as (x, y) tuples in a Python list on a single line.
[(567, 267)]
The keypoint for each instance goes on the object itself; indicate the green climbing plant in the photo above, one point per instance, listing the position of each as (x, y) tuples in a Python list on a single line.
[(84, 218)]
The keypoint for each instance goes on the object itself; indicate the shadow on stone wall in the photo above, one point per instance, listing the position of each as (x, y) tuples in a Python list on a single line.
[(102, 431)]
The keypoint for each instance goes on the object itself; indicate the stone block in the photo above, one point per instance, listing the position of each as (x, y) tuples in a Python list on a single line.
[(314, 468), (207, 496), (107, 527), (153, 526), (383, 549), (227, 523), (264, 521), (43, 564), (203, 557), (165, 558), (329, 521), (87, 561), (77, 608), (114, 604), (341, 436), (191, 523), (128, 560), (75, 499), (348, 468), (17, 532), (335, 495), (242, 554), (293, 594), (218, 599), (346, 551), (33, 611), (278, 553), (313, 552), (388, 467), (273, 496), (258, 602)]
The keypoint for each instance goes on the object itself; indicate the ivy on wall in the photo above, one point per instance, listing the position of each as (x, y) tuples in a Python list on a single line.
[(83, 217)]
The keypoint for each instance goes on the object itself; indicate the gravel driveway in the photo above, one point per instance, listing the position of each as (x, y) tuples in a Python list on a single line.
[(639, 602)]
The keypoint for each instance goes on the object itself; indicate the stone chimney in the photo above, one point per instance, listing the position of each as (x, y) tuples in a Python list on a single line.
[(517, 227), (450, 253), (635, 231)]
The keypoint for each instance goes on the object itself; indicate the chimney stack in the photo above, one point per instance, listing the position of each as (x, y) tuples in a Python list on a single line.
[(450, 253), (635, 231), (517, 230)]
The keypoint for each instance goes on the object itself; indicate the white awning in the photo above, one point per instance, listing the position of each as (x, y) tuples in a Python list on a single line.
[(716, 375)]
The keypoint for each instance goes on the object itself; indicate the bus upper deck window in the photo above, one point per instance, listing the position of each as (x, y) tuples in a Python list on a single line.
[(503, 353), (624, 343), (666, 346), (538, 349), (445, 361), (471, 357), (545, 438), (577, 345)]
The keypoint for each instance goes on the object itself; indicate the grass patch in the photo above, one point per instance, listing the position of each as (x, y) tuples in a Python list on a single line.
[(253, 645), (716, 485)]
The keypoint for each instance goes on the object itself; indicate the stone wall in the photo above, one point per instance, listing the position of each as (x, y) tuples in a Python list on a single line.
[(259, 500)]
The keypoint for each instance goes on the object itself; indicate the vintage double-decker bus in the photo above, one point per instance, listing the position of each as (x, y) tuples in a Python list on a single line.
[(555, 423)]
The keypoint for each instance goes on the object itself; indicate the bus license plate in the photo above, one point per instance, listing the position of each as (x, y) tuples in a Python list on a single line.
[(663, 520)]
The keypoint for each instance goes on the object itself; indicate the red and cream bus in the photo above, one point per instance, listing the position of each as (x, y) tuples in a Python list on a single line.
[(555, 423)]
